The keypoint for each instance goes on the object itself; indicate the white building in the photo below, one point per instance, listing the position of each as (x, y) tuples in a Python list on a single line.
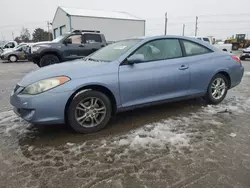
[(114, 25)]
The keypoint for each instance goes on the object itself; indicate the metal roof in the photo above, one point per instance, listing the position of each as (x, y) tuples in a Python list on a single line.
[(99, 13)]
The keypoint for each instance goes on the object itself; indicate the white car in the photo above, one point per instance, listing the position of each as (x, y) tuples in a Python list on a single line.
[(245, 54), (220, 45)]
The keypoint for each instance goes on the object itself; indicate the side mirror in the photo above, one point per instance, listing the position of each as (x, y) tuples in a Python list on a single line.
[(67, 41), (135, 58)]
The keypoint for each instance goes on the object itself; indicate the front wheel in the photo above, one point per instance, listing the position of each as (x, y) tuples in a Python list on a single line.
[(89, 111), (217, 89), (49, 60), (13, 58)]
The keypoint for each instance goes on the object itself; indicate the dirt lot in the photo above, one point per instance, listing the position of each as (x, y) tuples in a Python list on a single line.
[(186, 144)]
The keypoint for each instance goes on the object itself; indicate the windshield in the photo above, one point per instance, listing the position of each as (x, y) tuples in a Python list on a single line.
[(59, 38), (113, 51), (20, 45)]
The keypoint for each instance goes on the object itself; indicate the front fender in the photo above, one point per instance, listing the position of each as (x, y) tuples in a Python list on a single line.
[(51, 51), (109, 81)]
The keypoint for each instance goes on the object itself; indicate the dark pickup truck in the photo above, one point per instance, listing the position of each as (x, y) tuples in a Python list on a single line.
[(69, 46)]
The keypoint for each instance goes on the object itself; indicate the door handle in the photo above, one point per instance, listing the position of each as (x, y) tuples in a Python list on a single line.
[(183, 67)]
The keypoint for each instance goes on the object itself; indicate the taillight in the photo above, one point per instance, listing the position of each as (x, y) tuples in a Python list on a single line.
[(236, 58)]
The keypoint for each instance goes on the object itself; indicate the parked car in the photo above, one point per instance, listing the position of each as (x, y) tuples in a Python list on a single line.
[(220, 45), (69, 46), (125, 75), (245, 54), (8, 45), (15, 54)]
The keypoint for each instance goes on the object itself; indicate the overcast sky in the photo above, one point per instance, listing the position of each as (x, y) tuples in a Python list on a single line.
[(33, 13)]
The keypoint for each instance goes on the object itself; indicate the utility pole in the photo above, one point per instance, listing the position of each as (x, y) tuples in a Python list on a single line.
[(196, 26), (3, 38), (48, 30), (13, 36), (166, 23), (183, 29)]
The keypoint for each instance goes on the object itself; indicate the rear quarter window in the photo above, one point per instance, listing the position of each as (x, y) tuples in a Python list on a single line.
[(192, 48)]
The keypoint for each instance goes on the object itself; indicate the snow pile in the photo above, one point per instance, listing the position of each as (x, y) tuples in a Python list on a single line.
[(178, 132), (155, 135)]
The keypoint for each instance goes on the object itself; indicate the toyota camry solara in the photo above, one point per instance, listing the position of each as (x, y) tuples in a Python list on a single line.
[(124, 75)]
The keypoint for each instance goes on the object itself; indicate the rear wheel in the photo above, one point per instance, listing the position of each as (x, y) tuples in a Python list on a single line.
[(13, 58), (235, 47), (89, 111), (217, 89), (49, 59)]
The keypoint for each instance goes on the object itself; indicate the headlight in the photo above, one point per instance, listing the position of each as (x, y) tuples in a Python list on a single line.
[(45, 85), (34, 49)]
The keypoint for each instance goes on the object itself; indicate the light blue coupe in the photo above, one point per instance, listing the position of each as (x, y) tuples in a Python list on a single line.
[(127, 74)]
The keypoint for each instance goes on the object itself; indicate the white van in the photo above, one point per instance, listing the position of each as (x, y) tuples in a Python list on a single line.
[(220, 45)]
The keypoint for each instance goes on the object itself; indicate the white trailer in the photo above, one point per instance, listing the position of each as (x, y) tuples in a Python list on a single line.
[(114, 25)]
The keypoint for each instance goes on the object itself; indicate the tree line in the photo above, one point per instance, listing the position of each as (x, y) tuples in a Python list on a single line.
[(38, 35)]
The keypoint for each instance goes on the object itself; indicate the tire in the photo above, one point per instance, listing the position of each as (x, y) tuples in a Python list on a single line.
[(242, 58), (36, 61), (49, 60), (77, 110), (235, 47), (210, 98), (13, 58)]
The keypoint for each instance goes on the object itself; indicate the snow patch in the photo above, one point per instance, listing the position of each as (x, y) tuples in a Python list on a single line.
[(7, 116), (155, 135), (233, 135), (247, 73)]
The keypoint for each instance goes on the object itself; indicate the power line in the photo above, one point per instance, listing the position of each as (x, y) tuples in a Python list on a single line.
[(221, 22), (216, 15)]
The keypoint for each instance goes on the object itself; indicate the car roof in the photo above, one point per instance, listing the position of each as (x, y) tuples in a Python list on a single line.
[(192, 39), (164, 36)]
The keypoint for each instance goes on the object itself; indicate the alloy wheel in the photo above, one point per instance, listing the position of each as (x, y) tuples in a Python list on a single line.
[(90, 112), (218, 88)]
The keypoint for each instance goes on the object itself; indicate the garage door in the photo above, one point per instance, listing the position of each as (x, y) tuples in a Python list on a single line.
[(62, 30)]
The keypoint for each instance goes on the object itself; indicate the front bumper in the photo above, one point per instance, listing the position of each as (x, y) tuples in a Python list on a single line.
[(44, 108), (3, 57), (33, 57)]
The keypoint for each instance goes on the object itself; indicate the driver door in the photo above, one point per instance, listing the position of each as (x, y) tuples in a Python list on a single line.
[(163, 74), (71, 48)]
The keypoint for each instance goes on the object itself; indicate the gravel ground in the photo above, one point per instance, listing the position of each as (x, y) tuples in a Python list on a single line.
[(186, 144)]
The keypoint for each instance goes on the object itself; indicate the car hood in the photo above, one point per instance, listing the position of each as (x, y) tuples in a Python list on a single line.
[(73, 69), (5, 52), (44, 42)]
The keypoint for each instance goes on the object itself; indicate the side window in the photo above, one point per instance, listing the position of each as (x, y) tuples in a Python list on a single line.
[(75, 39), (192, 48), (160, 50), (92, 38)]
